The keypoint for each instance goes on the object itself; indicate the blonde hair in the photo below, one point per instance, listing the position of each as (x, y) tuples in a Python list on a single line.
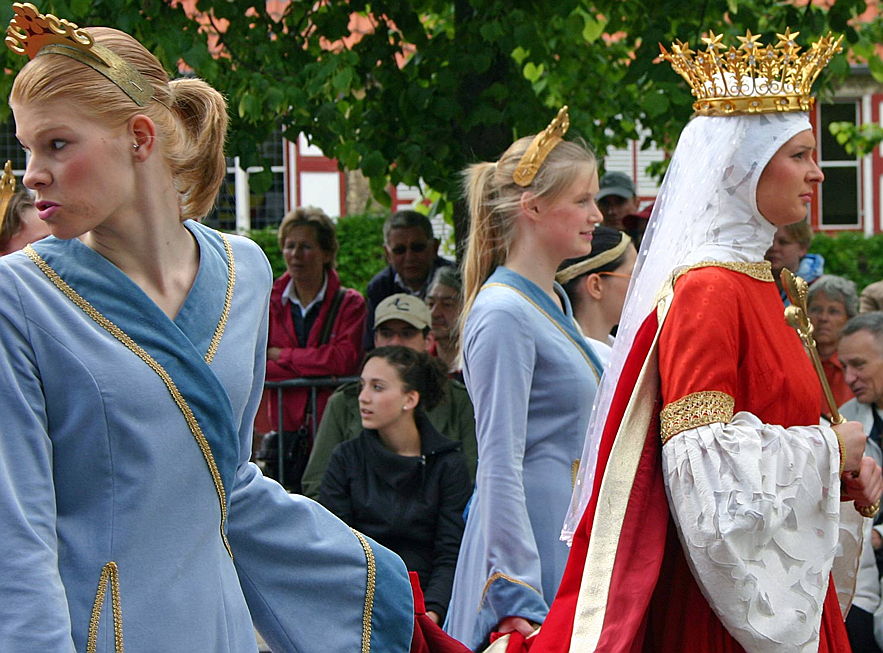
[(10, 222), (494, 199), (191, 116)]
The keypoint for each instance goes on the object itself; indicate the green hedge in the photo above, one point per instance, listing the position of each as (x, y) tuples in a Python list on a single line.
[(361, 249), (851, 255)]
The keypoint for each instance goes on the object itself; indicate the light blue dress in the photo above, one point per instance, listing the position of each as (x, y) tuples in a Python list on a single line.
[(532, 379), (126, 496)]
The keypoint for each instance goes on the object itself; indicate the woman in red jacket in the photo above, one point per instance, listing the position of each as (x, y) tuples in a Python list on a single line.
[(316, 327)]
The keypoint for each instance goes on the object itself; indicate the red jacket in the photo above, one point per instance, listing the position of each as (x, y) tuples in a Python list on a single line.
[(340, 357)]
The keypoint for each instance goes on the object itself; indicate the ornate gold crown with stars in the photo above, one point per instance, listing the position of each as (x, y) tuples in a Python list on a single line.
[(34, 34), (753, 77)]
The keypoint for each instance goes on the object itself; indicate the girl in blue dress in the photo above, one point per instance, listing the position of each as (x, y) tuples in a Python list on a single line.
[(531, 377)]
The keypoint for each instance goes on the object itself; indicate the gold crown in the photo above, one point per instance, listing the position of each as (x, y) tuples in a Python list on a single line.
[(751, 78), (34, 34), (7, 190), (539, 148)]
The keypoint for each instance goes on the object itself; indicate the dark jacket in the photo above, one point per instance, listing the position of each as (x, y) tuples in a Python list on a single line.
[(412, 505), (340, 357), (383, 285)]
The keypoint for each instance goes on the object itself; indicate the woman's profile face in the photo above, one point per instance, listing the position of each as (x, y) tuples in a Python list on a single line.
[(787, 184), (383, 400), (566, 224), (616, 284), (78, 168)]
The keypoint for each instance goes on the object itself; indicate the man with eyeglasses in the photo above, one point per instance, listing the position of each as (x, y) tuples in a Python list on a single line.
[(401, 320), (412, 253)]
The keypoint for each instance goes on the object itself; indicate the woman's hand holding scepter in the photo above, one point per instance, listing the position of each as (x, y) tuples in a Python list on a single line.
[(862, 483)]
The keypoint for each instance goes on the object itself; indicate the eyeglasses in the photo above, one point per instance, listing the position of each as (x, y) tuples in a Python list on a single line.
[(444, 302), (415, 248), (622, 275)]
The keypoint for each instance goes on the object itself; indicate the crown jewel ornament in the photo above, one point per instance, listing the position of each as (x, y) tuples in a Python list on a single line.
[(753, 77), (7, 190), (539, 148), (34, 34)]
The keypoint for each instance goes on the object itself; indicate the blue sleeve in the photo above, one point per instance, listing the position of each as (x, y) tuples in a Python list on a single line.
[(311, 583), (34, 614), (499, 371)]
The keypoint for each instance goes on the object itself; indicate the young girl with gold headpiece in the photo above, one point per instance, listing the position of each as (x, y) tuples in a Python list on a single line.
[(707, 512), (530, 375), (132, 352)]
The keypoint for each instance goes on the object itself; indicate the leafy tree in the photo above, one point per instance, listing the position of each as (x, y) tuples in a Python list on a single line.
[(436, 84)]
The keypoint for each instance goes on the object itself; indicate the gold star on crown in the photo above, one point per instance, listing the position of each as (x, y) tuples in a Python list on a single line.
[(34, 34), (539, 148), (751, 78)]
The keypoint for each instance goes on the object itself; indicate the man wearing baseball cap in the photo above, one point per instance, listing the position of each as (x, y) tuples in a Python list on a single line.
[(617, 199), (404, 320)]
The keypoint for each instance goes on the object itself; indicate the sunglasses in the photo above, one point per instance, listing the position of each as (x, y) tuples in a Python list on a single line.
[(622, 275), (415, 248)]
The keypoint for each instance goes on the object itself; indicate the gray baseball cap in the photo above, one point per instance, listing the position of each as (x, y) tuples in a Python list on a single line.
[(616, 183), (403, 307)]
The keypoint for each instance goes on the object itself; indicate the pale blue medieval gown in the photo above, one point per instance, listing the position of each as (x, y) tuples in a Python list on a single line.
[(532, 379), (126, 498)]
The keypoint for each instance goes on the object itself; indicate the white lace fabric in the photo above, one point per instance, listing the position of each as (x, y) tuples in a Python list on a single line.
[(757, 508)]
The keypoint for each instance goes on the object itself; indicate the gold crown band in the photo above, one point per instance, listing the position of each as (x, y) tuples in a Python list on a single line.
[(594, 262), (539, 148), (752, 78), (7, 190), (34, 34)]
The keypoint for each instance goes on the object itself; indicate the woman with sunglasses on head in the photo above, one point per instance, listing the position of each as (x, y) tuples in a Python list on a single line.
[(530, 374), (707, 513), (132, 353), (597, 284)]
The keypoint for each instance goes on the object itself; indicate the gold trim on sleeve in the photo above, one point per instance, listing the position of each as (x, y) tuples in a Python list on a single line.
[(109, 574), (141, 353), (497, 576), (694, 410), (370, 587)]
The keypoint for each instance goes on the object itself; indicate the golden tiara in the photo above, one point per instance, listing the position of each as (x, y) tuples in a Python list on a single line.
[(34, 34), (539, 148), (7, 190), (753, 77), (594, 262)]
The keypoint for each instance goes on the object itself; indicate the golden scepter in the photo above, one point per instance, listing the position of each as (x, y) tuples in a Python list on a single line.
[(796, 316)]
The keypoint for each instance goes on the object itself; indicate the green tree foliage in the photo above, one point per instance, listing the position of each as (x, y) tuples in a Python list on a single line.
[(436, 84), (851, 255)]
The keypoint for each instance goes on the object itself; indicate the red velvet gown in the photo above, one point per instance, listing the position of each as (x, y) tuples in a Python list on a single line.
[(724, 332)]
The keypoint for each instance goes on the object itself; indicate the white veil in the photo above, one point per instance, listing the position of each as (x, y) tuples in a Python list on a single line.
[(706, 210)]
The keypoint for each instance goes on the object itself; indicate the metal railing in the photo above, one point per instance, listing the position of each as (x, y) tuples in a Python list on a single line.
[(313, 383)]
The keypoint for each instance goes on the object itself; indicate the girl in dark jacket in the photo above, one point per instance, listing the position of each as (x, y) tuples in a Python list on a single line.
[(402, 482)]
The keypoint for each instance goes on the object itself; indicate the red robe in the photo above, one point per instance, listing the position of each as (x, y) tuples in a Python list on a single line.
[(724, 331)]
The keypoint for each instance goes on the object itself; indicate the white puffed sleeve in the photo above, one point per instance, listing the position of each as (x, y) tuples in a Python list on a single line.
[(757, 510)]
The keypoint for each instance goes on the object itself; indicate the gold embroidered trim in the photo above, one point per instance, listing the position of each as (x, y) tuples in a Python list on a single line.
[(126, 340), (228, 301), (109, 573), (694, 410), (574, 471), (588, 360), (497, 576), (369, 591), (761, 270)]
